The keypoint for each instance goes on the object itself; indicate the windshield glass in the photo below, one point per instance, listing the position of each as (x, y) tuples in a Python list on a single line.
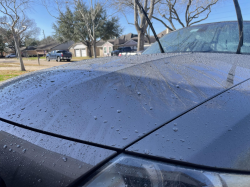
[(213, 37)]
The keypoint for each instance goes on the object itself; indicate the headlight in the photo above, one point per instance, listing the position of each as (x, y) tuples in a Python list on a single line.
[(129, 171)]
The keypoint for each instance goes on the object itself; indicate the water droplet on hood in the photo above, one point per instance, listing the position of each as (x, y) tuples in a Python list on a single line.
[(139, 93), (5, 146), (18, 146), (64, 159), (175, 129), (24, 150), (119, 111), (177, 86), (95, 117)]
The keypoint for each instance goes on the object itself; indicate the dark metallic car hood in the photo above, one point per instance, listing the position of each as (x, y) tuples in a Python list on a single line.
[(215, 134), (33, 159), (115, 101)]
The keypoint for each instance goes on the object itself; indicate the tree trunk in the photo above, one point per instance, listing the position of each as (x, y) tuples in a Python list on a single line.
[(94, 48), (140, 46), (89, 50), (94, 41), (19, 53)]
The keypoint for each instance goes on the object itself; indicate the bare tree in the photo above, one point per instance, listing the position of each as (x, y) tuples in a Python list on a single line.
[(140, 23), (89, 18), (32, 31), (89, 13), (13, 11), (194, 11)]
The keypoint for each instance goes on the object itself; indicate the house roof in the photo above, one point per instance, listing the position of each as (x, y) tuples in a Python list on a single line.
[(22, 48), (130, 43), (29, 48), (63, 46), (47, 46), (100, 43), (111, 42), (152, 39), (74, 44), (119, 41)]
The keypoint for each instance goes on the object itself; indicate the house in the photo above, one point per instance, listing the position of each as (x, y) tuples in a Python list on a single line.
[(107, 47), (163, 33), (129, 40), (81, 50), (78, 50), (8, 51), (42, 50), (104, 48), (28, 51)]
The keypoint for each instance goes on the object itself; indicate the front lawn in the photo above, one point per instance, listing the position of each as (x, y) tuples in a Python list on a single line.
[(33, 58), (79, 58), (7, 74)]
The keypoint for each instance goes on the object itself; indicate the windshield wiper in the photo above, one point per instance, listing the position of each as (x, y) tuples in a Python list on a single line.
[(240, 24), (151, 26)]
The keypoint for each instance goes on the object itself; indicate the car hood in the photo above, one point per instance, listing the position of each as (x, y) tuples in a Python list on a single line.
[(34, 159), (116, 101), (215, 134)]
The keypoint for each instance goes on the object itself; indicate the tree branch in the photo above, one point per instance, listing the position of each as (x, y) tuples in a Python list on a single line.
[(162, 23)]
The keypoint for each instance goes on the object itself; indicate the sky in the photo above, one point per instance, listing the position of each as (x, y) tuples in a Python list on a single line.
[(223, 11)]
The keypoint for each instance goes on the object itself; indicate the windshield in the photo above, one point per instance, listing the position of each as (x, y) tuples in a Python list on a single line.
[(213, 37)]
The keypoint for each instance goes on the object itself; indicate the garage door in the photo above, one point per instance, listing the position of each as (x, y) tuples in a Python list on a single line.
[(84, 52), (78, 54)]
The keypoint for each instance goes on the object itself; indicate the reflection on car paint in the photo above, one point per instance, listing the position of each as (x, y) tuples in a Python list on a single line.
[(32, 159)]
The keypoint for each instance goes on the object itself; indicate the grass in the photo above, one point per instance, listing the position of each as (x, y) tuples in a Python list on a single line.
[(8, 65), (8, 74), (16, 64), (79, 58), (33, 58)]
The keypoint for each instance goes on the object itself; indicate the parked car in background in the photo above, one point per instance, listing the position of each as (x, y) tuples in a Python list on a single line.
[(122, 50), (131, 53), (174, 119), (12, 55), (59, 55)]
